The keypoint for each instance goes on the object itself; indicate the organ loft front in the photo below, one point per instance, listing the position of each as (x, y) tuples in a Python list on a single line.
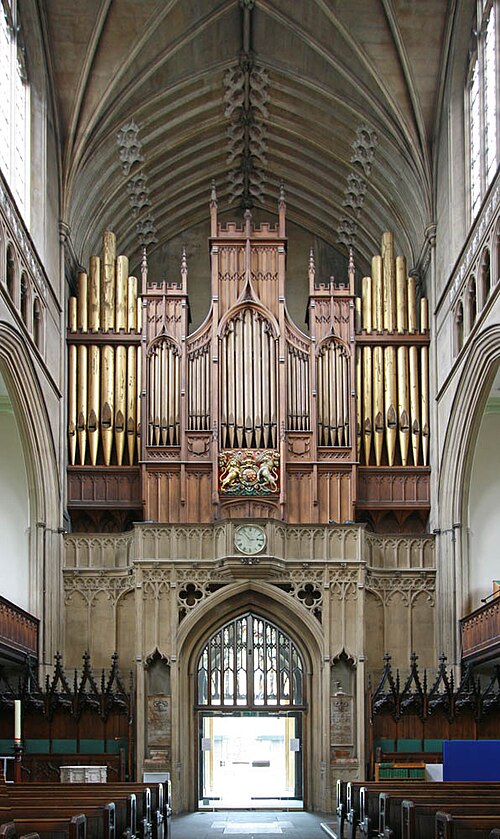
[(248, 416), (249, 480)]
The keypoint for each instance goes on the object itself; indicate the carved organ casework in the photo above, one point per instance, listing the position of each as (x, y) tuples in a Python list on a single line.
[(248, 416)]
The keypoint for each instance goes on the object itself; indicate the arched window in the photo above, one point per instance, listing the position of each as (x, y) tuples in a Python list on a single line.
[(482, 93), (24, 299), (485, 277), (10, 271), (37, 324), (250, 663), (459, 327), (471, 303), (14, 106)]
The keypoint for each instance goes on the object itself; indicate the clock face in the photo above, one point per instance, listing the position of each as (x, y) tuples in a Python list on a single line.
[(249, 539)]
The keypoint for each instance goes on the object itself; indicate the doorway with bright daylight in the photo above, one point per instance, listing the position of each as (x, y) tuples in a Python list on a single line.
[(250, 708)]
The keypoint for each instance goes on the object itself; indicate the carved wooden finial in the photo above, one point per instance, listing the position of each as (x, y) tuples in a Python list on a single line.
[(213, 210), (184, 269), (312, 271), (281, 210), (282, 193), (213, 194), (144, 269)]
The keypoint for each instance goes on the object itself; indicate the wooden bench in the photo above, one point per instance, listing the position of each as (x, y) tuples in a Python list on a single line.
[(74, 828), (149, 811)]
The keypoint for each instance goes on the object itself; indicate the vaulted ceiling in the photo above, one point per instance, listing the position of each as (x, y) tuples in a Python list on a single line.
[(335, 98)]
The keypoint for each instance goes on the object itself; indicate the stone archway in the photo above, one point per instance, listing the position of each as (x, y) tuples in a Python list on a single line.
[(271, 604), (39, 443), (461, 435)]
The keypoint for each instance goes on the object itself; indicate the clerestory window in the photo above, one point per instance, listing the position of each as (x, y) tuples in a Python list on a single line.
[(482, 108), (14, 107)]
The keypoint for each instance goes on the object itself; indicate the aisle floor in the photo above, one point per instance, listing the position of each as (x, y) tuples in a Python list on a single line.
[(247, 824)]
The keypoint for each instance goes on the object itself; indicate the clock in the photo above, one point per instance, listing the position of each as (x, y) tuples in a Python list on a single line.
[(249, 539)]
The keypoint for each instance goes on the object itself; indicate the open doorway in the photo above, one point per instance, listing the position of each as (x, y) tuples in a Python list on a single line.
[(250, 760)]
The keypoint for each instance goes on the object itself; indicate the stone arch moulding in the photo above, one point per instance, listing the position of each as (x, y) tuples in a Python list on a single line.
[(31, 412), (272, 604), (454, 477)]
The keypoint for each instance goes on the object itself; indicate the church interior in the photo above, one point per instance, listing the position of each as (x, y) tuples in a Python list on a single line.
[(249, 392)]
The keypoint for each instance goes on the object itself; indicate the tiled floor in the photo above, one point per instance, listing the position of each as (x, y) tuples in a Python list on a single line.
[(247, 824)]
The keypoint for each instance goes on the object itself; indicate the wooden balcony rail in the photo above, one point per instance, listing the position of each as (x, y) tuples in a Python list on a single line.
[(18, 629), (480, 632)]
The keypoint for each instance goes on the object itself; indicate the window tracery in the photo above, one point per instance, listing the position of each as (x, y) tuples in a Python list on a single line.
[(14, 106), (482, 95), (250, 662)]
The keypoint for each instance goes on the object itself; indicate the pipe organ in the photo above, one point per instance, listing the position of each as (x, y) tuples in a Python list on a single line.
[(248, 415)]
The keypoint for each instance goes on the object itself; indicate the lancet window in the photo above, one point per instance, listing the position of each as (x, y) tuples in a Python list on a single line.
[(250, 662), (482, 92), (248, 395), (14, 106)]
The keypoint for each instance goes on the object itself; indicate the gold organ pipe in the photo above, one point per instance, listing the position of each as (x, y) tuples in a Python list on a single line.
[(131, 402), (72, 314), (108, 280), (121, 288), (289, 387), (107, 401), (82, 311), (139, 315), (72, 406), (94, 294), (138, 378), (332, 390), (266, 408), (339, 394), (414, 404), (72, 382), (120, 401), (424, 315), (208, 384), (258, 380), (81, 424), (273, 394), (231, 385), (403, 404), (151, 396), (170, 394), (357, 314), (224, 389), (366, 304), (158, 392), (424, 370), (93, 406), (347, 412), (389, 282), (319, 397), (390, 401), (367, 402), (358, 402), (177, 388), (131, 304), (239, 383), (401, 295), (412, 305), (378, 403), (247, 361), (377, 294)]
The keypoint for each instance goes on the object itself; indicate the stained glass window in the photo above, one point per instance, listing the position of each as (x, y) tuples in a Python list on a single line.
[(250, 662)]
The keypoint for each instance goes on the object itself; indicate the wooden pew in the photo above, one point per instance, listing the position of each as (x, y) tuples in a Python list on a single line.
[(99, 822), (465, 827), (74, 828)]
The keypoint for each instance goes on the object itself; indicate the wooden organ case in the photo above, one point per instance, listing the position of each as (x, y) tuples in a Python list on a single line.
[(247, 416)]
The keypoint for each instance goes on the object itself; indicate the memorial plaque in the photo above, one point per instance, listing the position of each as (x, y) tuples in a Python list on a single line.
[(341, 719), (159, 720)]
